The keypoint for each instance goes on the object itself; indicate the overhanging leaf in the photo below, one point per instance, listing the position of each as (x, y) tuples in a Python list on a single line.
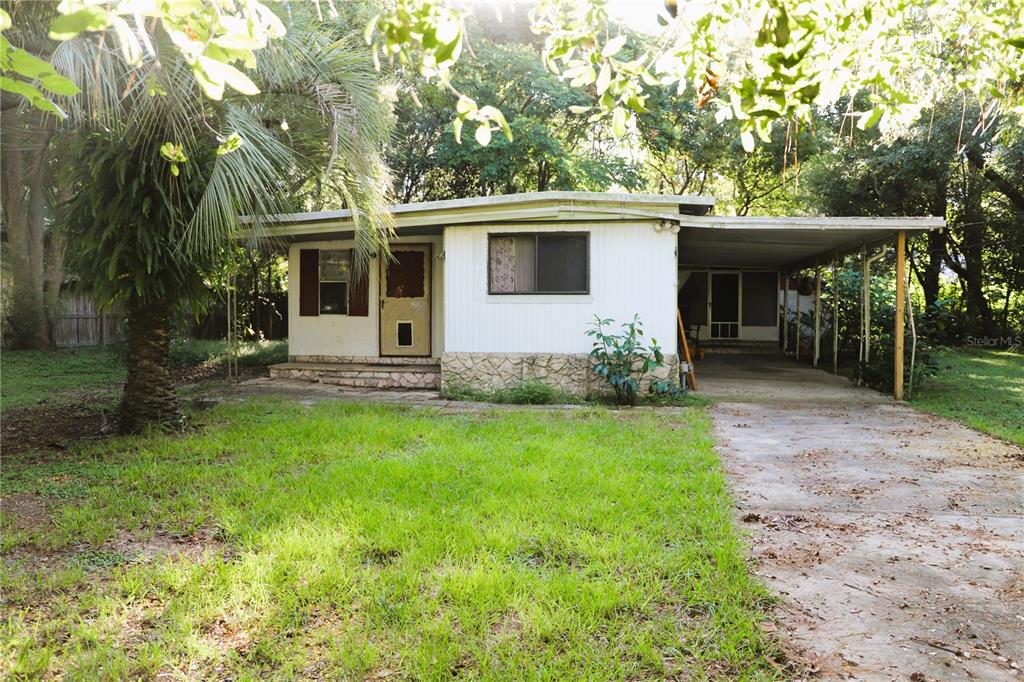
[(67, 26), (483, 135)]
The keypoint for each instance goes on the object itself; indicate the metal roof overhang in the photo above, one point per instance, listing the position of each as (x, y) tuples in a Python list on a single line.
[(785, 243), (431, 217), (704, 240)]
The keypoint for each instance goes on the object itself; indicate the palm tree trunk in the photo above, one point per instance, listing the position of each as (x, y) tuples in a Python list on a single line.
[(149, 397)]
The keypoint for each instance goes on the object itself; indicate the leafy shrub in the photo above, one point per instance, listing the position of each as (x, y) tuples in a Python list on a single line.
[(623, 360), (669, 393), (457, 390), (532, 392), (666, 389)]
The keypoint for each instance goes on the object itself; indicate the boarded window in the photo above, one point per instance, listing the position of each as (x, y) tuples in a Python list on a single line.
[(406, 278), (760, 299), (335, 266), (539, 263)]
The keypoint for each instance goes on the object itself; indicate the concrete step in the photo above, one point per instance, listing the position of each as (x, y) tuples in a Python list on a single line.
[(359, 375)]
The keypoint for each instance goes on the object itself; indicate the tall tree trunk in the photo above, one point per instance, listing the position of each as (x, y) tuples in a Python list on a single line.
[(23, 214), (149, 397), (54, 280), (978, 310), (932, 269), (937, 251), (1004, 318), (1007, 187)]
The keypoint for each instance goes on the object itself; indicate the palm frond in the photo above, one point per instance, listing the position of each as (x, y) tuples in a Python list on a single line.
[(327, 91), (339, 77), (241, 182)]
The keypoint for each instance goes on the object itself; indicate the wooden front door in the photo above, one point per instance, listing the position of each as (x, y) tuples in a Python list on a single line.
[(405, 302)]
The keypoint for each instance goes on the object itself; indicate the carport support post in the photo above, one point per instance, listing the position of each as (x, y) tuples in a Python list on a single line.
[(798, 278), (785, 312), (865, 304), (901, 296), (835, 316), (817, 314)]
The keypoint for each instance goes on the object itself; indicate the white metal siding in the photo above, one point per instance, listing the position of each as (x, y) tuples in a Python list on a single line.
[(632, 271), (344, 335)]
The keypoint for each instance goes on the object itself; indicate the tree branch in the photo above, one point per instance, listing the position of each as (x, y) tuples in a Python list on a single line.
[(1012, 192)]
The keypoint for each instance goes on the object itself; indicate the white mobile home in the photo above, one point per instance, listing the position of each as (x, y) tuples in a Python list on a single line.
[(490, 291)]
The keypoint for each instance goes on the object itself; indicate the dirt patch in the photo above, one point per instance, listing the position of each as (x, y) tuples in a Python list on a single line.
[(895, 539), (223, 635), (124, 548), (508, 625), (48, 429), (144, 549), (25, 512), (53, 428)]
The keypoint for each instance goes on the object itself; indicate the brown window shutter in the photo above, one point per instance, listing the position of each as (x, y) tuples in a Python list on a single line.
[(358, 290), (309, 282)]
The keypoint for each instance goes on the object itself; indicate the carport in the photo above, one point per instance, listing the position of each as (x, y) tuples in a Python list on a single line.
[(750, 249), (777, 380)]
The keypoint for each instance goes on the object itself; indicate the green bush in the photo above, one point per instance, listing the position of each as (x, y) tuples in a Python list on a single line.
[(933, 325), (533, 392), (671, 394), (457, 390), (623, 360)]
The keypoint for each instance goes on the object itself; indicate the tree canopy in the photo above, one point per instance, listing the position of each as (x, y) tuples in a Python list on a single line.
[(755, 61)]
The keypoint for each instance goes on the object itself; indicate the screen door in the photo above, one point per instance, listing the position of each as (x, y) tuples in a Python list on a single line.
[(405, 302)]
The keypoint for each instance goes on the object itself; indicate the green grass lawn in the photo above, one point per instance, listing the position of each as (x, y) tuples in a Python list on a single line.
[(345, 541), (28, 377), (982, 388)]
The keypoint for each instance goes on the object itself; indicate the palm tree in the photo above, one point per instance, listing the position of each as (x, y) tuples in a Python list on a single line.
[(159, 174)]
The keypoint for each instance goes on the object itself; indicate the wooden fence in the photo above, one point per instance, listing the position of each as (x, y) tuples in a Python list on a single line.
[(81, 324)]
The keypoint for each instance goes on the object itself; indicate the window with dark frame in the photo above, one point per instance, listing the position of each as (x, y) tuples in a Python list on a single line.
[(334, 281), (538, 263)]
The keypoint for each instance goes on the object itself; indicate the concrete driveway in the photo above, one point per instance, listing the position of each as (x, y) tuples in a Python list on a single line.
[(895, 538)]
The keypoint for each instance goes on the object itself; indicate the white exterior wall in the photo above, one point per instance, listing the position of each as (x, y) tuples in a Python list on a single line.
[(789, 298), (344, 335), (632, 271)]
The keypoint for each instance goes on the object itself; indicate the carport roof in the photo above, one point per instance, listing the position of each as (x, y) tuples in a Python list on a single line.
[(784, 242), (704, 240)]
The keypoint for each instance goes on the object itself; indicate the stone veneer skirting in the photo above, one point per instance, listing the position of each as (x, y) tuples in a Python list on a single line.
[(568, 372)]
